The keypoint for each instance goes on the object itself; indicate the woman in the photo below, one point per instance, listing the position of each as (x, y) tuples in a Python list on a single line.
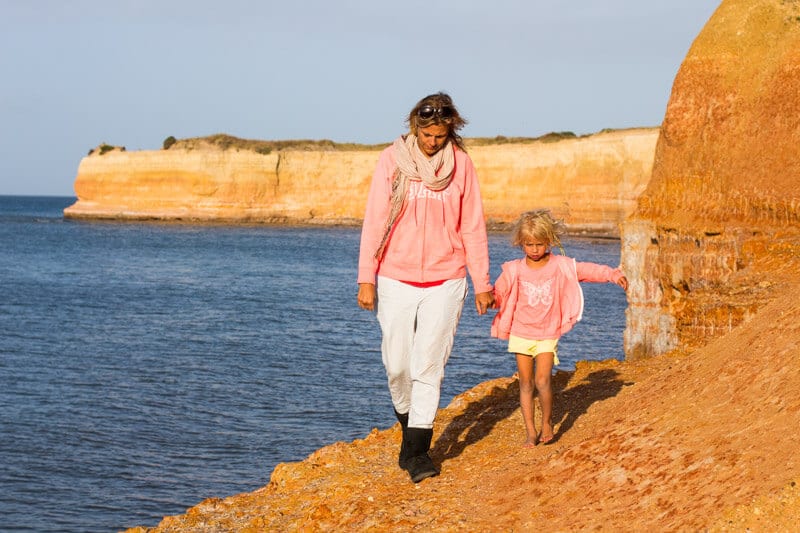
[(423, 228)]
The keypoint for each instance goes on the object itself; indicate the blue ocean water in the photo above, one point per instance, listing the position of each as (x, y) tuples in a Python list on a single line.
[(145, 367)]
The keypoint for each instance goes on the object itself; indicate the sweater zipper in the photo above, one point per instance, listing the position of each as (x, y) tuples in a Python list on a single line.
[(424, 241)]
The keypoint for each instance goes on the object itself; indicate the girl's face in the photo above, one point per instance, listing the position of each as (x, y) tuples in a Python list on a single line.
[(535, 249)]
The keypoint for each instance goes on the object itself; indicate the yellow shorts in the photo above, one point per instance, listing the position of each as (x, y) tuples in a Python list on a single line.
[(533, 348)]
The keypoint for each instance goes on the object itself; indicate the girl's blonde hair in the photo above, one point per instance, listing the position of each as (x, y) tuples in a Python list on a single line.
[(538, 224)]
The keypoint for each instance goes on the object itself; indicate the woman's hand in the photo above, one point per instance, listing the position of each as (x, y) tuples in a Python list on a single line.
[(366, 296), (484, 301)]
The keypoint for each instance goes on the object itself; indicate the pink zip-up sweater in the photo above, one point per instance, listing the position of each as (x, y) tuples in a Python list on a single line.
[(565, 287), (439, 234)]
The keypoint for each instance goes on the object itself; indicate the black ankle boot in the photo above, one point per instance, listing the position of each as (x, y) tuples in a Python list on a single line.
[(420, 465), (402, 460)]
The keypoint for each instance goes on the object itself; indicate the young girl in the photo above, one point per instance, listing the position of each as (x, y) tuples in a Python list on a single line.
[(539, 299)]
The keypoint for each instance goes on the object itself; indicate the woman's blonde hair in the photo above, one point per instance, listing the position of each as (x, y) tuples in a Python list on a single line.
[(538, 224)]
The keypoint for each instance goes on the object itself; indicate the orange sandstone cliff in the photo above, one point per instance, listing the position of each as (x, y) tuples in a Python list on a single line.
[(592, 182), (723, 206), (703, 436)]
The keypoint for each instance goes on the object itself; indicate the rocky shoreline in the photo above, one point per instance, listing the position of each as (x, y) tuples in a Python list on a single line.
[(633, 453)]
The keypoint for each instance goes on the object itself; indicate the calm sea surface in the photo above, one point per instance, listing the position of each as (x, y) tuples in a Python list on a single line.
[(145, 367)]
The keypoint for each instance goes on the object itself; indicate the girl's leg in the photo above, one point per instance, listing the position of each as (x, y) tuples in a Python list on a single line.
[(525, 369), (544, 369)]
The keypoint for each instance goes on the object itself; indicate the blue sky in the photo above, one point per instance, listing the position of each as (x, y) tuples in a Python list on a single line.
[(78, 73)]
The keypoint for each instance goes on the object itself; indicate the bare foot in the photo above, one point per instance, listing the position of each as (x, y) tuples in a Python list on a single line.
[(546, 435), (530, 442)]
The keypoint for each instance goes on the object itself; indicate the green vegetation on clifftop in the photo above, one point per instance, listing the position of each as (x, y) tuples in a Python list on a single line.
[(224, 141)]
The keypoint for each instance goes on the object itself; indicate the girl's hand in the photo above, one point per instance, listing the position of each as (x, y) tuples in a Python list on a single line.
[(623, 282)]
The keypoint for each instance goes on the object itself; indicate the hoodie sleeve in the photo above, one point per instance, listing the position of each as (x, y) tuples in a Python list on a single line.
[(593, 272), (375, 214), (473, 230), (502, 288), (503, 296)]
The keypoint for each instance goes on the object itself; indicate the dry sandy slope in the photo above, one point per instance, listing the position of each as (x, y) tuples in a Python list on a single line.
[(684, 442)]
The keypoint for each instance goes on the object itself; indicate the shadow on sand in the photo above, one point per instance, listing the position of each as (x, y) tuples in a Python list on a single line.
[(569, 404)]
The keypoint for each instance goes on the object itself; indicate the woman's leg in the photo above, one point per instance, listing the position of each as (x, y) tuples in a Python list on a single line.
[(525, 370), (544, 369), (397, 311), (437, 318)]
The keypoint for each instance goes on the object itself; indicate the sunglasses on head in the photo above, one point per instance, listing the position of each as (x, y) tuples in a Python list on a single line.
[(427, 112)]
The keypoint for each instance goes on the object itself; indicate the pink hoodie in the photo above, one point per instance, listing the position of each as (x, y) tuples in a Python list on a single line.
[(437, 235), (568, 274)]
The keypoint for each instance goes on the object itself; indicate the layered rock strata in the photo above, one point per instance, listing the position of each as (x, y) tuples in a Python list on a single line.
[(592, 182), (722, 207)]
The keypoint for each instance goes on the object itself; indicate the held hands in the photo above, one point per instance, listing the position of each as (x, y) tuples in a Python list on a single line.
[(366, 298), (484, 301)]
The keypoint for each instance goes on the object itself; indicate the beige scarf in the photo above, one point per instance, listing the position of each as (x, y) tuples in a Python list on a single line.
[(413, 165)]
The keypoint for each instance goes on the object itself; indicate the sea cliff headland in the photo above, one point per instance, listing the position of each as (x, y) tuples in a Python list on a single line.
[(592, 182)]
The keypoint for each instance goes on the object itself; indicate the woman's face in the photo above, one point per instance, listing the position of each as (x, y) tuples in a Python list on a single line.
[(432, 138)]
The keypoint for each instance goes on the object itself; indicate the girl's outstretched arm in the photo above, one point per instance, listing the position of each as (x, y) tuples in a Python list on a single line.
[(596, 273)]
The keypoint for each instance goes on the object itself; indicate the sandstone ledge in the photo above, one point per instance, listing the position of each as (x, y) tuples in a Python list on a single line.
[(592, 182)]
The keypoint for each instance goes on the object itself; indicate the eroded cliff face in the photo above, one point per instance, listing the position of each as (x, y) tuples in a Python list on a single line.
[(721, 212), (225, 185), (592, 182)]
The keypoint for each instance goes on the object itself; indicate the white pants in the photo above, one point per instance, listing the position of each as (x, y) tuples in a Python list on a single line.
[(418, 325)]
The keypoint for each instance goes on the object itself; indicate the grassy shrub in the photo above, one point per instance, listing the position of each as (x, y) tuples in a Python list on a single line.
[(104, 148), (169, 141), (502, 139), (229, 142)]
